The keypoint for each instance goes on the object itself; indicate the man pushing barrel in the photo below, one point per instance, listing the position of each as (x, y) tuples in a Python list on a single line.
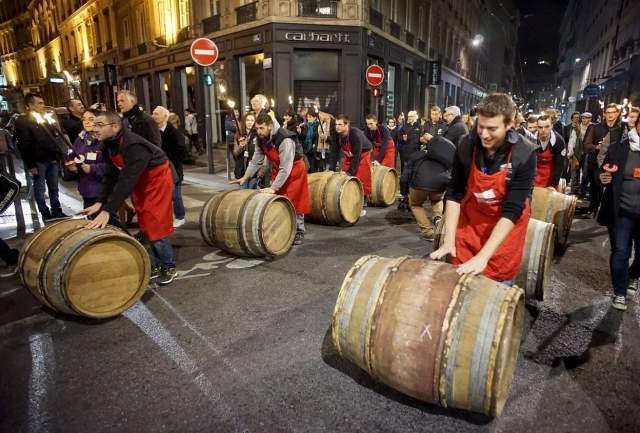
[(356, 149), (288, 171), (383, 145), (140, 169), (487, 210)]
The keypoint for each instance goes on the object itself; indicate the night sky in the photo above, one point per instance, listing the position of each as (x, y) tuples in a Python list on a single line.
[(539, 36)]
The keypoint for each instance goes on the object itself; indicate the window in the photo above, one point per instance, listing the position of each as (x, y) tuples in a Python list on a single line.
[(316, 77), (126, 39), (183, 13)]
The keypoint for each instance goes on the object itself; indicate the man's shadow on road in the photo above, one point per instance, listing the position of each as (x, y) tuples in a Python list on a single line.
[(331, 357)]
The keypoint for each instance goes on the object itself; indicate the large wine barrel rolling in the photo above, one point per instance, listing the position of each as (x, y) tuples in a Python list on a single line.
[(554, 207), (93, 273), (336, 199), (249, 223), (419, 327), (535, 269), (384, 186)]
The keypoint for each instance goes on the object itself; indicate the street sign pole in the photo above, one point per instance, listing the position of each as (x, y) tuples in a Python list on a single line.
[(204, 52)]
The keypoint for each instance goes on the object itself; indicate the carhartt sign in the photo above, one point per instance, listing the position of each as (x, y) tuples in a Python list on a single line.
[(318, 37)]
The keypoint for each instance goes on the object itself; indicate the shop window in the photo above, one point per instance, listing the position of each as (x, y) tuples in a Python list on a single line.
[(316, 77), (165, 81), (391, 91), (251, 78)]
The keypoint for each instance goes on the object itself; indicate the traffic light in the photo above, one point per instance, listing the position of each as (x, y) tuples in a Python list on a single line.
[(207, 79), (377, 92)]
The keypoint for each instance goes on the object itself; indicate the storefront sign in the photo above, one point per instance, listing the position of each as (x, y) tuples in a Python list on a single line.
[(329, 37), (435, 73)]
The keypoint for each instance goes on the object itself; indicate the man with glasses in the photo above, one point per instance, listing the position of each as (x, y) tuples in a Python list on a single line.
[(140, 169), (593, 141)]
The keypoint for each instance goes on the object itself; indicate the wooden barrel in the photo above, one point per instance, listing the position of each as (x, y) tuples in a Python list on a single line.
[(535, 270), (384, 186), (554, 207), (336, 199), (93, 273), (249, 223), (419, 327)]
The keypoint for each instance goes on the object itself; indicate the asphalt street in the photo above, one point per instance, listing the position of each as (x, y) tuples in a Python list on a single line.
[(242, 345)]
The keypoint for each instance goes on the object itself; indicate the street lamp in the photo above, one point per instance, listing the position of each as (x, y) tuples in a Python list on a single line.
[(477, 40)]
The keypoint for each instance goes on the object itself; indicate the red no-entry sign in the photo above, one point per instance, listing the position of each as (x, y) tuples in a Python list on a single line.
[(374, 75), (204, 52)]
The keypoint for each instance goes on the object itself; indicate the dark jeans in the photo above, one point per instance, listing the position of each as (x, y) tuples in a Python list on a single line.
[(47, 173), (194, 141), (162, 253), (589, 178), (624, 232), (178, 205), (252, 183), (7, 254)]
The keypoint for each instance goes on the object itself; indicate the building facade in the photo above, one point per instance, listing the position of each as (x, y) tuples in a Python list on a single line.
[(601, 65), (301, 52)]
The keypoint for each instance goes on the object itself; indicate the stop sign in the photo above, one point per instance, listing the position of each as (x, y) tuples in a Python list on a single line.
[(204, 52), (374, 75)]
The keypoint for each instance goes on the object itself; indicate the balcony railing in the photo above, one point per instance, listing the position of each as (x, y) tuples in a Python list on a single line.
[(375, 18), (211, 24), (409, 38), (395, 29), (318, 8), (247, 13), (142, 49)]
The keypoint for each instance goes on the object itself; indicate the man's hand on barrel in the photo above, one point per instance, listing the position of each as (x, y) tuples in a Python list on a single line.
[(93, 209), (443, 252), (100, 221), (240, 181), (268, 190), (474, 266)]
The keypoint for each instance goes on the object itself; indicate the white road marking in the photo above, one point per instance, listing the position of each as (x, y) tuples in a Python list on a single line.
[(185, 277), (41, 378), (144, 319), (191, 203)]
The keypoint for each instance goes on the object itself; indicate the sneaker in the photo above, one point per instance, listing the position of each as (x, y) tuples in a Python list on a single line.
[(619, 302), (634, 286), (436, 220), (10, 272), (166, 276), (363, 212), (155, 273), (178, 223), (59, 214), (298, 239)]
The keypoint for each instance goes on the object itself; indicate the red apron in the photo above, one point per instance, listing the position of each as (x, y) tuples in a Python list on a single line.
[(389, 158), (544, 168), (152, 199), (480, 211), (295, 188), (364, 169)]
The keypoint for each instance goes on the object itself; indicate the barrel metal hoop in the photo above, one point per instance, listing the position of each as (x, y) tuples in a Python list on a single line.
[(325, 194), (240, 232)]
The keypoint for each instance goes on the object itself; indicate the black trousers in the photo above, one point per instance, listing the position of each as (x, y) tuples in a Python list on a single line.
[(7, 254)]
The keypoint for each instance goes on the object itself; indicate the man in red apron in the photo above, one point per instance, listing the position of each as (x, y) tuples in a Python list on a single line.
[(384, 149), (551, 154), (288, 171), (487, 209), (356, 149), (139, 169)]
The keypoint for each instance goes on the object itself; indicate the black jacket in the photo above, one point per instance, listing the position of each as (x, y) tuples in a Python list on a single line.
[(72, 126), (559, 158), (412, 144), (37, 143), (520, 180), (359, 143), (429, 170), (139, 154), (456, 130), (174, 146), (437, 128), (610, 204), (142, 124)]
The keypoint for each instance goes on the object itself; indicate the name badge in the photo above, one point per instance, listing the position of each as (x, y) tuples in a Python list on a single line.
[(636, 173), (488, 196), (91, 156)]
